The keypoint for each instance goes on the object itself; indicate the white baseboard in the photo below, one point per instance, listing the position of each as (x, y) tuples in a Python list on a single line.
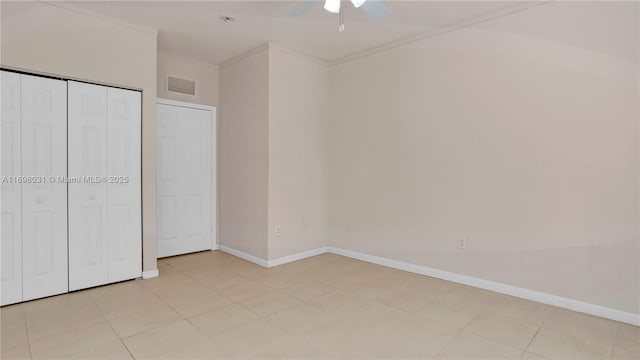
[(296, 257), (537, 296), (214, 247), (150, 274), (549, 299), (271, 263), (243, 255)]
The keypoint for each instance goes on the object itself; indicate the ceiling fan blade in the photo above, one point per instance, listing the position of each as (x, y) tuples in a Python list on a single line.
[(302, 7), (376, 10)]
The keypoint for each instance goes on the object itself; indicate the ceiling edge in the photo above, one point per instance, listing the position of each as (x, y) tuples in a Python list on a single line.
[(290, 51), (245, 54), (109, 19), (191, 60), (453, 26)]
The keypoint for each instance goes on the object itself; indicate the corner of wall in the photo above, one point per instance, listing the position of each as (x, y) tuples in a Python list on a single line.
[(244, 140), (298, 100)]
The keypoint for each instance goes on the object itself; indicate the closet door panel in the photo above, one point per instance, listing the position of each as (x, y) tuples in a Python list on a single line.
[(88, 234), (197, 178), (44, 201), (11, 212), (169, 153), (124, 190)]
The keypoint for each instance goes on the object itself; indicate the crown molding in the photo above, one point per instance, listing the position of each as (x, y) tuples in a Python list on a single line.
[(453, 26), (286, 50), (110, 19), (273, 46), (186, 59), (245, 54)]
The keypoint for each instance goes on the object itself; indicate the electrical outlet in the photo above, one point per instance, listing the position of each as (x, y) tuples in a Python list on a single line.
[(278, 230), (462, 243)]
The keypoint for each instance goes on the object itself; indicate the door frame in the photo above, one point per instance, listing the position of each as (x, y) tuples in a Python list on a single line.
[(214, 165)]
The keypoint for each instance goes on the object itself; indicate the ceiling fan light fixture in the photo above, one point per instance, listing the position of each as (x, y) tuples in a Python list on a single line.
[(357, 3), (333, 5)]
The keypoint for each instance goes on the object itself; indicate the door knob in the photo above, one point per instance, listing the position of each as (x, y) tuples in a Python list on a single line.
[(92, 197), (40, 200)]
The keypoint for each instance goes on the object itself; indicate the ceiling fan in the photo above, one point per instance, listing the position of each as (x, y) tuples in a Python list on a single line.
[(374, 8), (334, 5)]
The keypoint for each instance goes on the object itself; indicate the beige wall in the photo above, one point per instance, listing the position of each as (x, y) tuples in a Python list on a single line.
[(47, 39), (520, 135), (521, 140), (298, 106), (243, 157), (273, 155), (205, 75)]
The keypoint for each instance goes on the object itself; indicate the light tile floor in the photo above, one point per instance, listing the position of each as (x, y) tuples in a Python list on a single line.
[(214, 305)]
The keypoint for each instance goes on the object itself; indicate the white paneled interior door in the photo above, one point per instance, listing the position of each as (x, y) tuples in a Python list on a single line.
[(44, 204), (105, 214), (11, 192), (186, 178), (87, 201), (124, 232)]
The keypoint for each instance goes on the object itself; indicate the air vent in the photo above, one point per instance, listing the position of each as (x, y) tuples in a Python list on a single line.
[(182, 86)]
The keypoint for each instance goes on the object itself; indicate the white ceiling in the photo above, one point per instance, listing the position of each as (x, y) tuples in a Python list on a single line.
[(193, 28)]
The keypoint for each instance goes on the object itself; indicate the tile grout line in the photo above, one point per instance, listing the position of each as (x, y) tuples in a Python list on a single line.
[(185, 318), (532, 338), (258, 280), (153, 328), (615, 337), (26, 329), (448, 342), (218, 290), (483, 336), (520, 322), (126, 347), (111, 326), (163, 325), (238, 303)]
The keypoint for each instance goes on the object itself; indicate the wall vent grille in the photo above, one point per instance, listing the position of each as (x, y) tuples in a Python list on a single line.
[(182, 86)]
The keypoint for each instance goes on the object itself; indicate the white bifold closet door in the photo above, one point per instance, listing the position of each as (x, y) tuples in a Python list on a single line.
[(105, 212), (11, 192), (44, 205), (34, 213)]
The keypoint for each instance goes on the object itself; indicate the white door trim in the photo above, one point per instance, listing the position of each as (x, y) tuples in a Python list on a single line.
[(214, 158), (187, 105)]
